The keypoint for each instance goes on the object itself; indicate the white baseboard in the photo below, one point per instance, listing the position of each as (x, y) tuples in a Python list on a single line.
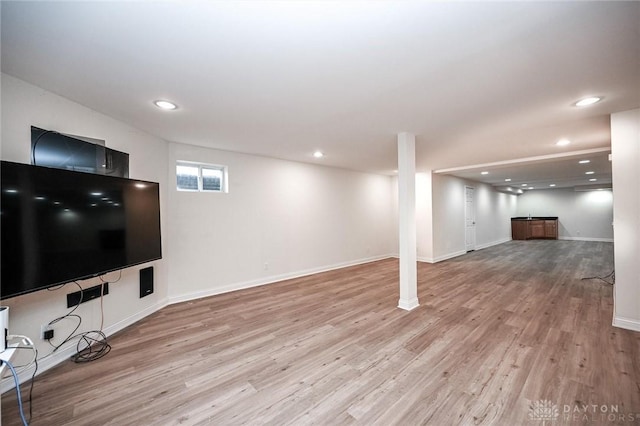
[(271, 279), (409, 304), (68, 350), (448, 256), (493, 243), (461, 252), (627, 323), (441, 258), (603, 240), (120, 325)]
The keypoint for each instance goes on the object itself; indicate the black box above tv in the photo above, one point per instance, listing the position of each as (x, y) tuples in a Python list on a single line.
[(80, 154)]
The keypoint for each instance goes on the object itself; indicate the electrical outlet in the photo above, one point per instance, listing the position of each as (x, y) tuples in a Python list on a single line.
[(266, 266), (46, 332)]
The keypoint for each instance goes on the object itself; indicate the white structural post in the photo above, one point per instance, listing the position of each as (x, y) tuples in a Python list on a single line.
[(625, 153), (407, 221)]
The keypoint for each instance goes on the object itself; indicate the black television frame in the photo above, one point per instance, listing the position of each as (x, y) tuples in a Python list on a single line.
[(36, 201)]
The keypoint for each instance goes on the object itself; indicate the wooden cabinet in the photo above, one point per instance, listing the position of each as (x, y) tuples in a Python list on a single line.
[(523, 228), (551, 229), (536, 228), (519, 229)]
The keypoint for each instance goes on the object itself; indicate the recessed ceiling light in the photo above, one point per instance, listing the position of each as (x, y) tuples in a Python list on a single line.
[(166, 105), (563, 142), (318, 154), (484, 173), (552, 184), (588, 101), (531, 187), (509, 188), (584, 161), (593, 180), (589, 173), (524, 184), (507, 180)]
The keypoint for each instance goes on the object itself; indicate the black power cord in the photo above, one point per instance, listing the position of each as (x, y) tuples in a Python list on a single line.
[(96, 347), (69, 314), (611, 275), (92, 345)]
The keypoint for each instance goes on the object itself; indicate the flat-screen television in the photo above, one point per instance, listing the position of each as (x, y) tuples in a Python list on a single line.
[(59, 226)]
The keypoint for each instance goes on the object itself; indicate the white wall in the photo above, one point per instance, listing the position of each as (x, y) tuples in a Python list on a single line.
[(625, 151), (424, 217), (493, 216), (24, 105), (448, 216), (494, 211), (396, 215), (280, 219), (581, 215)]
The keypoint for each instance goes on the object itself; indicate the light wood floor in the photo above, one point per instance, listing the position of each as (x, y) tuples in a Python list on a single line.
[(497, 330)]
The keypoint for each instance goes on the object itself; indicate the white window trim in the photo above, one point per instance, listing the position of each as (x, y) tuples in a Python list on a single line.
[(224, 187)]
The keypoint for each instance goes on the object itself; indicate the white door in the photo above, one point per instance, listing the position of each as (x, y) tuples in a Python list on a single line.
[(469, 218)]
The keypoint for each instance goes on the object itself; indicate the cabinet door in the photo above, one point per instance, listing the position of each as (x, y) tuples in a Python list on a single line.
[(537, 228), (518, 230), (551, 229)]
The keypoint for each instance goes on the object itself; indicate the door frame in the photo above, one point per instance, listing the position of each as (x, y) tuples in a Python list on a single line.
[(468, 247)]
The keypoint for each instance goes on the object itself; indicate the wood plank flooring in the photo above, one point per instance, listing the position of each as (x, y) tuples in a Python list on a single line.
[(497, 331)]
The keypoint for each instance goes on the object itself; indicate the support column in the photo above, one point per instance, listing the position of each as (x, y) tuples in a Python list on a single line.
[(625, 153), (407, 221)]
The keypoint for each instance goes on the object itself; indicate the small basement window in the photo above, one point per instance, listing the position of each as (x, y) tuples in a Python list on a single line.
[(198, 177)]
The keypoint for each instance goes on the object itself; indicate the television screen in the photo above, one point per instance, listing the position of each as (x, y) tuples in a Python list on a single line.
[(59, 226)]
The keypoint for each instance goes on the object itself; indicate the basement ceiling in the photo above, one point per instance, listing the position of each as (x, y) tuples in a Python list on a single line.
[(476, 82), (578, 169)]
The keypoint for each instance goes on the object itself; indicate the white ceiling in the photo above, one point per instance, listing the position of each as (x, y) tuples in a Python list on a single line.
[(476, 82), (575, 169)]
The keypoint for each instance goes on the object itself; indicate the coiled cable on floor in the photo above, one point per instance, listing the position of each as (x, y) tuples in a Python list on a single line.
[(611, 275)]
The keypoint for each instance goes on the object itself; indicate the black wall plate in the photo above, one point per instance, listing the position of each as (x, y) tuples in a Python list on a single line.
[(73, 299)]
